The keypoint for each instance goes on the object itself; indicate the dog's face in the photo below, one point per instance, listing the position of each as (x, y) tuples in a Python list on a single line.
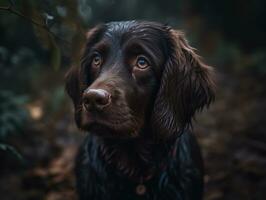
[(136, 76)]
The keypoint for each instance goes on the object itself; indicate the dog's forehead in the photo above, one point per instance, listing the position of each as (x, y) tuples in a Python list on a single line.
[(142, 29), (120, 27), (150, 37)]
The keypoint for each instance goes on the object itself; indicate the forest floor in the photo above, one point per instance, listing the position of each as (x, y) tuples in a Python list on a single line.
[(231, 134)]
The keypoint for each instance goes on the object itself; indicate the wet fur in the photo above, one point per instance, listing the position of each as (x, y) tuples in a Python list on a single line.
[(145, 133)]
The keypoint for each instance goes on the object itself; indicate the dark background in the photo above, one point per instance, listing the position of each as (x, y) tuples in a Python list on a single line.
[(41, 39)]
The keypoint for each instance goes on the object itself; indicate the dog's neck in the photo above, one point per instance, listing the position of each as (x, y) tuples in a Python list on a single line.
[(138, 159)]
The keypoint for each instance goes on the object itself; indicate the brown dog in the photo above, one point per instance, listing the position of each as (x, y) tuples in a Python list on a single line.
[(137, 89)]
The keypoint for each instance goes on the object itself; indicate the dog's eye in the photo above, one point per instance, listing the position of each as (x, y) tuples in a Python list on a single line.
[(142, 62), (97, 60)]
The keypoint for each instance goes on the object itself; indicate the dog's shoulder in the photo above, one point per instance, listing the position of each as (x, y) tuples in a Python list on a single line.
[(190, 165)]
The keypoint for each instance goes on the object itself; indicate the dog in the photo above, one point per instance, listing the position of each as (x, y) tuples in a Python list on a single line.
[(136, 92)]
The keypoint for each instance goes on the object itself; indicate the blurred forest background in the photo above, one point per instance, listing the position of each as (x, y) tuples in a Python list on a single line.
[(39, 40)]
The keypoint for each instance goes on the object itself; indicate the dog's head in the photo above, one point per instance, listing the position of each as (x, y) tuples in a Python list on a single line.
[(137, 76)]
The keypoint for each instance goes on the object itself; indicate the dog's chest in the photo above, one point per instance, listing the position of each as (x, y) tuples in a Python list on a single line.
[(178, 179), (160, 187)]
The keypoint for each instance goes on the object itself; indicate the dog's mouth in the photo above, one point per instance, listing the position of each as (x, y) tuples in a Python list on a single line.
[(104, 125), (99, 129)]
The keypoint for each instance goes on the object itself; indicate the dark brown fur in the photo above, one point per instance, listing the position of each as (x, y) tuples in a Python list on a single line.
[(138, 132)]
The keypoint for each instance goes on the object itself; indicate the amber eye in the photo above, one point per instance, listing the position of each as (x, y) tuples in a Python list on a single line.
[(97, 60), (142, 62)]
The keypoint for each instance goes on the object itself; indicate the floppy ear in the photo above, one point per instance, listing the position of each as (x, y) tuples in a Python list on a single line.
[(74, 90), (72, 86), (76, 78), (186, 87)]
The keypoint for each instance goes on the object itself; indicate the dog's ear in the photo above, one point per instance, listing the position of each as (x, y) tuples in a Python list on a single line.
[(72, 80), (73, 89), (186, 87), (76, 78)]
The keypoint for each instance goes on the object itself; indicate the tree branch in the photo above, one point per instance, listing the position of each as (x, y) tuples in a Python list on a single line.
[(43, 26)]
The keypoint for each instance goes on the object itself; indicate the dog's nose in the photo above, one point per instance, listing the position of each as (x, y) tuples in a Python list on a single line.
[(96, 98)]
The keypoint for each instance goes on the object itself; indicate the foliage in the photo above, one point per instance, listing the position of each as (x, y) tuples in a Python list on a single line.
[(13, 118)]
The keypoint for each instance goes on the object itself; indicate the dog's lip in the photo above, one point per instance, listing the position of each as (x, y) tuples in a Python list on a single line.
[(93, 120), (101, 122), (98, 129), (103, 127), (102, 119), (105, 131), (95, 124)]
